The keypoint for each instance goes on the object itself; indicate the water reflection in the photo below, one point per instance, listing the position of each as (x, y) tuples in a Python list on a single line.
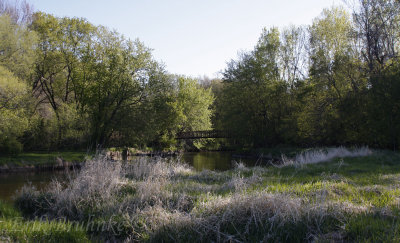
[(10, 183), (218, 161), (208, 160)]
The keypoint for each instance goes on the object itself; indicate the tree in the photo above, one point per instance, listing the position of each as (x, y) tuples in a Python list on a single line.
[(16, 47), (191, 107), (13, 113), (378, 29), (293, 56), (150, 121), (61, 46), (384, 108), (113, 80), (330, 53), (254, 103), (192, 104), (16, 62), (377, 25), (19, 12)]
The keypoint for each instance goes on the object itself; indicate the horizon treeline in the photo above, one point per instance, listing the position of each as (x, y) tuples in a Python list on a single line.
[(67, 84)]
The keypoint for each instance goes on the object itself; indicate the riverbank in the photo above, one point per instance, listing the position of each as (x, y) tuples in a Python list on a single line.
[(269, 153), (42, 161), (57, 161), (127, 153), (321, 196), (61, 160)]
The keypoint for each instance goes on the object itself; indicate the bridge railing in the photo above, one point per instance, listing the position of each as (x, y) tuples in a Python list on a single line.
[(202, 134)]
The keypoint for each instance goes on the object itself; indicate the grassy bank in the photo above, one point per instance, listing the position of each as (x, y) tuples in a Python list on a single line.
[(322, 196), (41, 158), (13, 228)]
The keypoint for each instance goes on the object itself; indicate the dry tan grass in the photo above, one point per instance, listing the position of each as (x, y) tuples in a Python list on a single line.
[(320, 155)]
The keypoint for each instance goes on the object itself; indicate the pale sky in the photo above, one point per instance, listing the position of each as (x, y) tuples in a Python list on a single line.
[(191, 37)]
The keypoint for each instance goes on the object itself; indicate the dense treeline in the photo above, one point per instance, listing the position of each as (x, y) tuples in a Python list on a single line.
[(335, 82), (66, 84)]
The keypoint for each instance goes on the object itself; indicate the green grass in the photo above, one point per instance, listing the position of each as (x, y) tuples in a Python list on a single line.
[(7, 211), (372, 180), (13, 228), (373, 228), (42, 158), (343, 200)]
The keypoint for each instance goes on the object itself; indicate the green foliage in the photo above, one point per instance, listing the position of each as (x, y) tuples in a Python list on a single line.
[(115, 83), (319, 119), (329, 89), (56, 82), (384, 103), (254, 101), (192, 105), (89, 73), (16, 47), (11, 146), (13, 113), (192, 108)]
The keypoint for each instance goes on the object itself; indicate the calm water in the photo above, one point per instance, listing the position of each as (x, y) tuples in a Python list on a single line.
[(218, 161), (10, 183)]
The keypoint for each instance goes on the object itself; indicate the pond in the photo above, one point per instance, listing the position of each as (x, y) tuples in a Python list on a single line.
[(10, 183)]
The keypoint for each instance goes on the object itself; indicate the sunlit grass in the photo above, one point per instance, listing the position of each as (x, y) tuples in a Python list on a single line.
[(13, 228)]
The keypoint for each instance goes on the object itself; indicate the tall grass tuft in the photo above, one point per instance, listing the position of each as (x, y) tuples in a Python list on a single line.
[(324, 155), (83, 193)]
